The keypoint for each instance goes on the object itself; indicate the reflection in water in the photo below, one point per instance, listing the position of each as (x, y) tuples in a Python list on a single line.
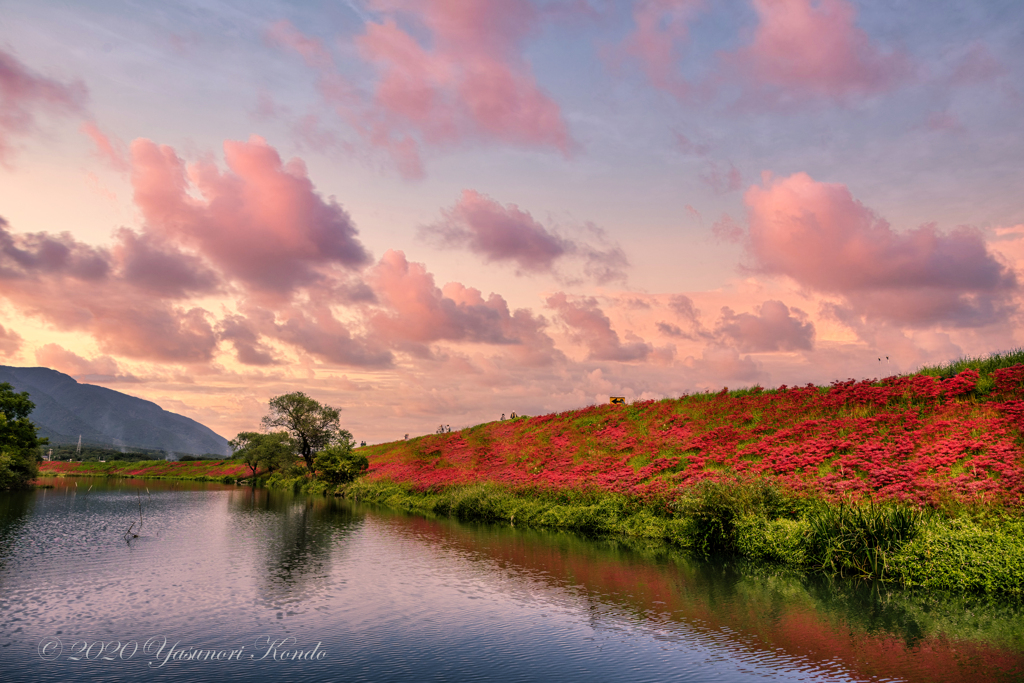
[(862, 627), (296, 536), (14, 508), (392, 597)]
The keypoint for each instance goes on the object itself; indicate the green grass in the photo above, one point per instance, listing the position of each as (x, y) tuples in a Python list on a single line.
[(956, 550), (985, 365)]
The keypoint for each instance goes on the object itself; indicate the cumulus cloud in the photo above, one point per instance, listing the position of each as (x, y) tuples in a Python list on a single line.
[(498, 233), (24, 93), (509, 234), (447, 72), (261, 222), (315, 329), (41, 252), (592, 328), (772, 327), (75, 286), (152, 265), (415, 310), (245, 340), (10, 341), (819, 235), (688, 314)]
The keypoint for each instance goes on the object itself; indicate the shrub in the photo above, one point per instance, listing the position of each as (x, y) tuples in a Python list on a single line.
[(339, 465)]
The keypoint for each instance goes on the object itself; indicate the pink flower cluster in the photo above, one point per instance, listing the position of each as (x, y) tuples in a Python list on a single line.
[(911, 438)]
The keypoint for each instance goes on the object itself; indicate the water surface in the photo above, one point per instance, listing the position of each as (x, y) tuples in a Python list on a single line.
[(265, 586)]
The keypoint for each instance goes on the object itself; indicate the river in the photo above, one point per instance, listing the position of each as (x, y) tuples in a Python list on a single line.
[(225, 583)]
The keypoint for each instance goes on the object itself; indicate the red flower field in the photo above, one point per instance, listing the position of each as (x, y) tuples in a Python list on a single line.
[(910, 438)]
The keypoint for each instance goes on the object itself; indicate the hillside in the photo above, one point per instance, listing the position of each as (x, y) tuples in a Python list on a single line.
[(917, 438), (66, 409)]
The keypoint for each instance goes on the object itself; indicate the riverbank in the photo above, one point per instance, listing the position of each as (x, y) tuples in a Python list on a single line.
[(225, 471), (916, 480), (968, 550)]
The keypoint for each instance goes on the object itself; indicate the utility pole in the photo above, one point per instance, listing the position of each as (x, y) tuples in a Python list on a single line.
[(78, 453)]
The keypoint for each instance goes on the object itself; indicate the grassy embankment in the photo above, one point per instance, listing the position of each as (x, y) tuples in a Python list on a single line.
[(227, 471), (916, 480)]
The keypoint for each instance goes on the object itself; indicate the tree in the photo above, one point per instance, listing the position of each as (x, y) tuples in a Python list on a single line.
[(313, 426), (264, 451), (339, 465), (19, 444)]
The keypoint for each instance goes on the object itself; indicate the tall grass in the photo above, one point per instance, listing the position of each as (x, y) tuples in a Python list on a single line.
[(860, 540), (985, 365)]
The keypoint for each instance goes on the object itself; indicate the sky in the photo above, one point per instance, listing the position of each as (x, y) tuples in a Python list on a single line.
[(431, 212)]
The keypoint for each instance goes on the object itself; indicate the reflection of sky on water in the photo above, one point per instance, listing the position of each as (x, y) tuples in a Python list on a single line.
[(393, 597)]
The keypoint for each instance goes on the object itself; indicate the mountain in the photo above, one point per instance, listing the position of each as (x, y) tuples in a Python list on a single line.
[(66, 410)]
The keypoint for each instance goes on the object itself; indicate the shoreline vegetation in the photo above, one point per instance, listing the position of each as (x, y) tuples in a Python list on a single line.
[(914, 480), (225, 471)]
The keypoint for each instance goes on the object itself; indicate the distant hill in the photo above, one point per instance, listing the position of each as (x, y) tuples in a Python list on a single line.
[(66, 410)]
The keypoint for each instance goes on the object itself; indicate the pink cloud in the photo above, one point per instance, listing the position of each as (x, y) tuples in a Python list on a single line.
[(75, 286), (499, 233), (284, 34), (687, 313), (593, 328), (101, 368), (113, 151), (416, 311), (773, 327), (819, 235), (660, 26), (719, 363), (41, 252), (150, 264), (314, 329), (801, 50), (10, 341), (509, 234), (813, 49), (24, 93), (261, 222), (466, 79), (248, 349), (160, 332)]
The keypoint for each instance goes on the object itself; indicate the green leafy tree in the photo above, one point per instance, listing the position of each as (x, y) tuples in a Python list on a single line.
[(264, 451), (339, 464), (311, 425), (19, 444)]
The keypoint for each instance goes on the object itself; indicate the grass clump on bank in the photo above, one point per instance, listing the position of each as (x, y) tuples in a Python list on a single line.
[(954, 550)]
